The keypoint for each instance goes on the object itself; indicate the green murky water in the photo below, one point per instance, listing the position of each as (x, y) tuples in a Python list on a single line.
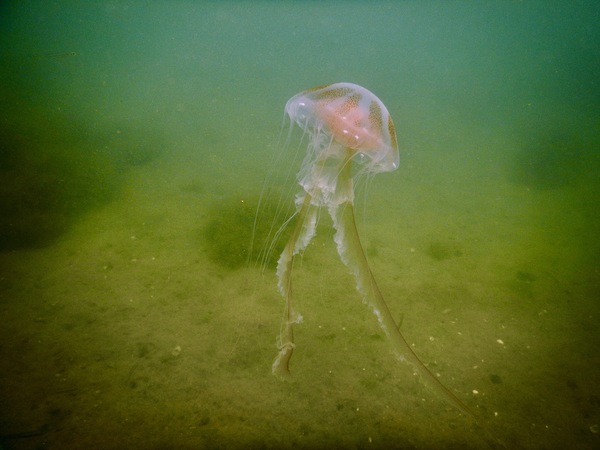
[(134, 143)]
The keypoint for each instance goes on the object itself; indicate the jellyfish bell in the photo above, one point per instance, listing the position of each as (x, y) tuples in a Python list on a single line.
[(344, 117)]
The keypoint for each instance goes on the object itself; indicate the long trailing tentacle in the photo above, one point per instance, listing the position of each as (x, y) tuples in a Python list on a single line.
[(302, 234), (352, 254)]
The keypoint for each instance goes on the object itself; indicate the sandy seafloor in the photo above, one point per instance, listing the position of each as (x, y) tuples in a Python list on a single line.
[(131, 166)]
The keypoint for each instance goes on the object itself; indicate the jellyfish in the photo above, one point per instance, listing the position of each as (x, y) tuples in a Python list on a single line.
[(350, 133)]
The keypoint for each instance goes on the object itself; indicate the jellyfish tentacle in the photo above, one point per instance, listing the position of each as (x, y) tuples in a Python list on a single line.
[(303, 232), (353, 256)]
